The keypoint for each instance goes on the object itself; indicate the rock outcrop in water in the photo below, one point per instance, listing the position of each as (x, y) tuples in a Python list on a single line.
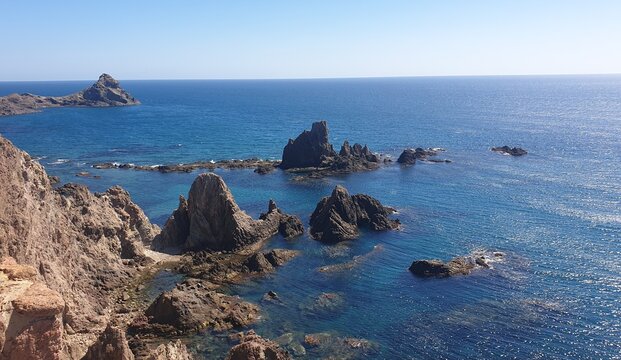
[(461, 265), (254, 347), (211, 220), (506, 150), (105, 92), (311, 152), (409, 156), (338, 216), (191, 307), (82, 245)]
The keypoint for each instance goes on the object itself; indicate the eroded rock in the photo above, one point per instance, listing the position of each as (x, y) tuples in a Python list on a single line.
[(461, 265), (254, 347), (311, 153), (338, 216), (212, 220)]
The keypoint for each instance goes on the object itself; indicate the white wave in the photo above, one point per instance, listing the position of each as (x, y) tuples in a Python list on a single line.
[(59, 161)]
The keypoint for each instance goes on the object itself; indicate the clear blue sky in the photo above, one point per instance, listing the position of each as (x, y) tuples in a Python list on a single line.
[(140, 39)]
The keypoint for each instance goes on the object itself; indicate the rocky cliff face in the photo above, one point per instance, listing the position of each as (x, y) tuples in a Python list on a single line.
[(338, 216), (312, 150), (105, 92), (31, 325), (210, 219), (82, 245)]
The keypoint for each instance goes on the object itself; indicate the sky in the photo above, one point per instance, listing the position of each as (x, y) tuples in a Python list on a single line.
[(235, 39)]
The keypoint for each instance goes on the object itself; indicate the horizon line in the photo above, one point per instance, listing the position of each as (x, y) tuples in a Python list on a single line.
[(329, 78)]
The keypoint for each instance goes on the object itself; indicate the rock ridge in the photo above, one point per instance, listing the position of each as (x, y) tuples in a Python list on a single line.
[(105, 92)]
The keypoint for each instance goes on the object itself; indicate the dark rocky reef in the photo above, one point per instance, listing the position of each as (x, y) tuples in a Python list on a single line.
[(461, 265), (338, 216), (261, 166), (410, 156), (105, 92), (312, 153), (211, 220), (506, 150)]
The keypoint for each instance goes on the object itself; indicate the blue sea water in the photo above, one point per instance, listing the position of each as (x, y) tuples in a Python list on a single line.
[(556, 212)]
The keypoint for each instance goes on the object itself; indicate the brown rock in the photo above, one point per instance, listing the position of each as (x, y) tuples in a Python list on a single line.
[(254, 347), (31, 319), (214, 221), (71, 238), (189, 308), (111, 345)]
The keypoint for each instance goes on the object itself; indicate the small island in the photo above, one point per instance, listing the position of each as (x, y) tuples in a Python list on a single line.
[(105, 92)]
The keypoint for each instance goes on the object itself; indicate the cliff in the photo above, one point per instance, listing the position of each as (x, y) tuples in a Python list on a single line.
[(81, 245)]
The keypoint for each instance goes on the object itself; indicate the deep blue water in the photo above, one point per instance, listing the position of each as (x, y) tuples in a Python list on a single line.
[(556, 212)]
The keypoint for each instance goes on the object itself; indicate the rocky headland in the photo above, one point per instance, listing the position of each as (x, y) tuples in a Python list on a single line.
[(72, 264), (507, 150), (338, 216), (311, 153), (105, 92)]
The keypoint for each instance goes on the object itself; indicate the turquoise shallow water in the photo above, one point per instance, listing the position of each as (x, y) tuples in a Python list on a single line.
[(556, 212)]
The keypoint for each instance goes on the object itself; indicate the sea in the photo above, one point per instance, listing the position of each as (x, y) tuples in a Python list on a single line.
[(555, 213)]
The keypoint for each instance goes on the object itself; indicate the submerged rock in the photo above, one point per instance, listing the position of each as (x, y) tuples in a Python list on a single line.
[(312, 153), (506, 150), (211, 220), (254, 347), (105, 92), (337, 217)]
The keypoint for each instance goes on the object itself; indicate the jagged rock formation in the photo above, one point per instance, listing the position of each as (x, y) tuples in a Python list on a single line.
[(506, 150), (338, 216), (461, 265), (77, 241), (309, 149), (31, 325), (210, 219), (105, 92), (254, 347), (312, 152)]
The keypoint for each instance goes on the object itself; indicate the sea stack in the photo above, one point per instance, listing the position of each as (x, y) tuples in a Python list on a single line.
[(311, 152), (211, 220), (338, 216), (309, 149)]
